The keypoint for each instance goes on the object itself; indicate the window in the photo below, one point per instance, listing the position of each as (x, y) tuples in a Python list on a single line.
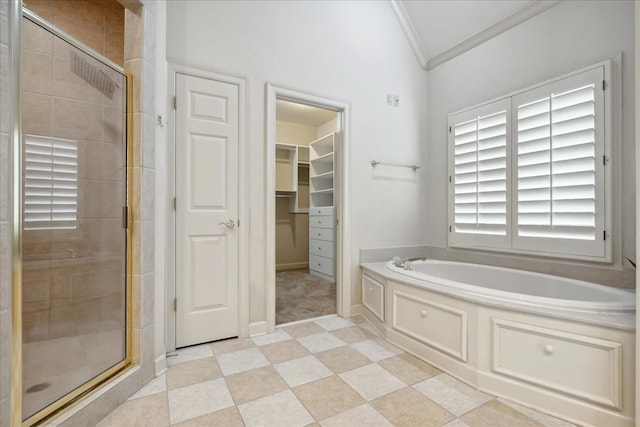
[(50, 183), (527, 173)]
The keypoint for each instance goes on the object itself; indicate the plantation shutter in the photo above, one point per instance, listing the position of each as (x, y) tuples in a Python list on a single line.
[(50, 183), (559, 177), (479, 173)]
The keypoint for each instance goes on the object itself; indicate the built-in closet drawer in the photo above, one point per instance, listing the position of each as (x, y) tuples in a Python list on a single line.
[(581, 366), (322, 221), (321, 247), (321, 264), (373, 296), (320, 211), (321, 233), (438, 325)]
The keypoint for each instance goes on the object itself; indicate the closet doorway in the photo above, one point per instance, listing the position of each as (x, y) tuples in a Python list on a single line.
[(307, 139)]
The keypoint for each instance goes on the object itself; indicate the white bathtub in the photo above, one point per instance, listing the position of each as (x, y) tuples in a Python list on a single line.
[(562, 346), (521, 287)]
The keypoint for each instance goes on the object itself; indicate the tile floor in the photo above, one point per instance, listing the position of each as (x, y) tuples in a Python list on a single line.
[(328, 372), (301, 296)]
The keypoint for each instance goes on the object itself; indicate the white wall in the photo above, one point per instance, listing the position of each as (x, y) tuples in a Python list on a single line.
[(566, 37), (354, 51)]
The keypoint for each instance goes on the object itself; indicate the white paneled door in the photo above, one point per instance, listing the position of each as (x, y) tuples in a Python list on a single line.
[(206, 210)]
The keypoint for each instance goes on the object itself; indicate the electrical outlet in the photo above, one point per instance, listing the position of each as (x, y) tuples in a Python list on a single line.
[(396, 101)]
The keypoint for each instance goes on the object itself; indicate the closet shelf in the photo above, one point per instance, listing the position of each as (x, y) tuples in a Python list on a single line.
[(326, 175), (327, 158), (327, 191)]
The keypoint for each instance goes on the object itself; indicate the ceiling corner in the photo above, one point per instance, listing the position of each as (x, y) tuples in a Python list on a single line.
[(410, 32)]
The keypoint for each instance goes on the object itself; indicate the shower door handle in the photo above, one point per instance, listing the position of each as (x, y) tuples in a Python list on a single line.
[(230, 224)]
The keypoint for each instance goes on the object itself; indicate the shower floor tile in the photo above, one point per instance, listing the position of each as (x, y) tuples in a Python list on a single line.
[(294, 388)]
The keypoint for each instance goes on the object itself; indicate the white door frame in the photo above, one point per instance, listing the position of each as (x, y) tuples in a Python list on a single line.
[(243, 201), (343, 232)]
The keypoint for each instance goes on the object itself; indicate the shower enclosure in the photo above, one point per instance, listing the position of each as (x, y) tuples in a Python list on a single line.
[(74, 226)]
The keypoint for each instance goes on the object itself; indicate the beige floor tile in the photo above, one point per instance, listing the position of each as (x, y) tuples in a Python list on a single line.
[(327, 397), (320, 342), (283, 351), (352, 334), (358, 319), (333, 323), (373, 350), (303, 329), (360, 416), (456, 423), (409, 368), (240, 361), (276, 336), (198, 399), (189, 353), (544, 419), (302, 370), (151, 411), (229, 417), (195, 371), (255, 384), (342, 359), (234, 344), (372, 381), (457, 397), (407, 407), (278, 410), (496, 414), (157, 385)]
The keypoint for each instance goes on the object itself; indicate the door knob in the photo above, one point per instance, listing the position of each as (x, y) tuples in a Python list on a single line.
[(230, 224)]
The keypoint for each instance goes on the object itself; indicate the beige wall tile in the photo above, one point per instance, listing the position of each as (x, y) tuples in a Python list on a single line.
[(114, 46), (86, 11), (42, 8), (114, 17), (37, 72), (133, 28), (36, 38), (77, 120), (67, 84), (91, 35), (36, 114)]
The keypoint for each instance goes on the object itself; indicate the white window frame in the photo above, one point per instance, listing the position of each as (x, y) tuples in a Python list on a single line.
[(548, 247), (473, 239)]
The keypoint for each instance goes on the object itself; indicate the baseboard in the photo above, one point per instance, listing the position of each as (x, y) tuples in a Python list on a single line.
[(292, 266), (257, 328), (161, 364), (356, 310)]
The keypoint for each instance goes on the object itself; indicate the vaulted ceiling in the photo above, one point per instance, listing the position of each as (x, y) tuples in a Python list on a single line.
[(439, 30)]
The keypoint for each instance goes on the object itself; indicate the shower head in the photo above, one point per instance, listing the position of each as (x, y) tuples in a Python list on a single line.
[(92, 75)]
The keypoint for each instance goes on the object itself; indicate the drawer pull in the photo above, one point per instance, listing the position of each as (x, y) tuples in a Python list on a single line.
[(548, 349), (319, 222), (319, 234), (423, 313), (319, 248)]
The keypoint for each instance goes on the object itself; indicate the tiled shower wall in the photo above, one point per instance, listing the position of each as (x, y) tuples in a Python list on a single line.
[(5, 238), (98, 24), (139, 59)]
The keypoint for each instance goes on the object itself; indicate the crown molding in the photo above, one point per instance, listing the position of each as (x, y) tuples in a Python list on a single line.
[(529, 10), (410, 31)]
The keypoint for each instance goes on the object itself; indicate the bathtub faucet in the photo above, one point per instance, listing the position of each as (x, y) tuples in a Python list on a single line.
[(406, 262)]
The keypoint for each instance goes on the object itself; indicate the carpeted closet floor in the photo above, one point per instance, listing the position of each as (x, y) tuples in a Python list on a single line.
[(301, 296)]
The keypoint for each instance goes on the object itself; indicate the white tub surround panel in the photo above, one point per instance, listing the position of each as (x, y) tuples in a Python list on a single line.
[(574, 362)]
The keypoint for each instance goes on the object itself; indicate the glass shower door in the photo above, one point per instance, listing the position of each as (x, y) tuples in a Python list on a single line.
[(74, 175)]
